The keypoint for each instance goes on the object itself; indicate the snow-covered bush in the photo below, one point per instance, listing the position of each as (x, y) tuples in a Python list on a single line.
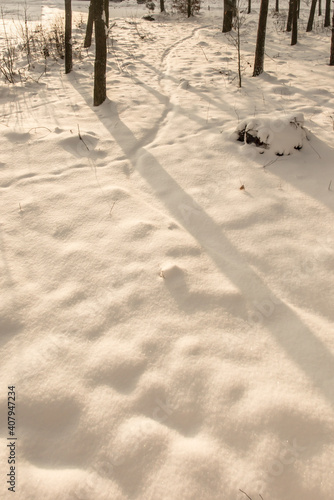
[(282, 135)]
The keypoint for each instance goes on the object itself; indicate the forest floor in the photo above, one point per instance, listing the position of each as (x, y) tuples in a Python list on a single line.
[(167, 292)]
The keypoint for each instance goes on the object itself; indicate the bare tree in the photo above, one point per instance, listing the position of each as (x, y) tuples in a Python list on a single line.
[(311, 16), (294, 34), (289, 23), (90, 22), (68, 37), (331, 61), (229, 13), (327, 13), (261, 38), (100, 84), (237, 26)]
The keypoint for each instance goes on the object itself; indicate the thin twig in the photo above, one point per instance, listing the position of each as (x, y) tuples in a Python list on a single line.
[(203, 53), (270, 163), (329, 187), (81, 139), (112, 207), (245, 494), (314, 149)]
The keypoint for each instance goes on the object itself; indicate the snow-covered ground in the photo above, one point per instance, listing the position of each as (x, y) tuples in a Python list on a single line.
[(169, 334)]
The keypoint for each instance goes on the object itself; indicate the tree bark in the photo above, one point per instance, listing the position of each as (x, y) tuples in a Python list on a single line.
[(189, 8), (106, 11), (294, 34), (90, 22), (68, 37), (311, 16), (229, 13), (162, 5), (320, 12), (261, 38), (277, 6), (100, 85), (327, 13), (249, 9), (289, 23), (331, 61)]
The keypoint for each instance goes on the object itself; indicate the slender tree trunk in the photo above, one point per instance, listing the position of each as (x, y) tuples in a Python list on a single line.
[(68, 36), (298, 8), (261, 38), (189, 8), (294, 34), (162, 5), (106, 11), (277, 6), (100, 86), (239, 46), (327, 14), (320, 12), (90, 22), (229, 13), (331, 61), (289, 23), (249, 10), (311, 16)]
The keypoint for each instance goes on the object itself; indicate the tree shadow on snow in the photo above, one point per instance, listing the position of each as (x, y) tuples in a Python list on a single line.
[(309, 170), (297, 340)]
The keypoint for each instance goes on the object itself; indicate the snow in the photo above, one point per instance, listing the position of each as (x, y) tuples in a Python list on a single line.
[(282, 134), (169, 335)]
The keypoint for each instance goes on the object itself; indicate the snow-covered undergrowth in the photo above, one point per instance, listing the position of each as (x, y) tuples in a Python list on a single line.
[(170, 335), (282, 134)]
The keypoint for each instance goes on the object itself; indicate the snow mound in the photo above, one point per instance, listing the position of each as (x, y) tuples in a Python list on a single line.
[(283, 135)]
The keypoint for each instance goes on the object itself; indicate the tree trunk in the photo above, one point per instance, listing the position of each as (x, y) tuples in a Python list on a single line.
[(320, 12), (189, 8), (89, 29), (106, 11), (261, 38), (249, 10), (229, 13), (277, 6), (100, 86), (331, 61), (239, 48), (327, 14), (289, 23), (294, 34), (68, 37), (162, 5), (311, 16), (298, 8)]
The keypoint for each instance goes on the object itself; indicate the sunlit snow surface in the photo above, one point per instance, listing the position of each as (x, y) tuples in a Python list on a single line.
[(169, 334)]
